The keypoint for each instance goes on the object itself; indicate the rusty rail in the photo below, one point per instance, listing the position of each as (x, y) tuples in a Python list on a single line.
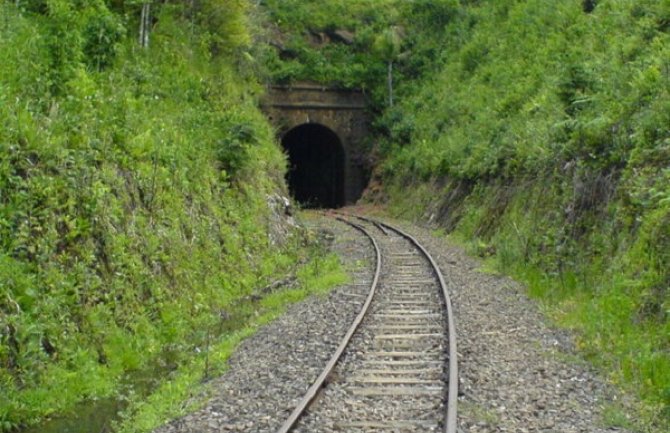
[(451, 416), (318, 383)]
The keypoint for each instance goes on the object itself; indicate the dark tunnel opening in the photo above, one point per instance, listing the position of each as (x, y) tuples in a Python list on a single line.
[(316, 166)]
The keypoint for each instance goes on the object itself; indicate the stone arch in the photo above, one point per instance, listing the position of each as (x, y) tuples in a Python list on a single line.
[(341, 111), (317, 161)]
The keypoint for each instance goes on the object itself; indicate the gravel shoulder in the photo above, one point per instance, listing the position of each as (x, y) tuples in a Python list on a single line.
[(369, 391), (517, 373), (270, 371)]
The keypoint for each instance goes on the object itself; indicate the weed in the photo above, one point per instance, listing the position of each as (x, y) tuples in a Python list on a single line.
[(184, 392)]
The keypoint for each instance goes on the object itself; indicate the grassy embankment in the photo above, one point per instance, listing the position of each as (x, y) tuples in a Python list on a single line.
[(537, 133), (134, 187), (543, 141)]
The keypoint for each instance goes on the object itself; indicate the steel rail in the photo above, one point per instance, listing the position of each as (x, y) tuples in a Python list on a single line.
[(450, 419), (318, 383)]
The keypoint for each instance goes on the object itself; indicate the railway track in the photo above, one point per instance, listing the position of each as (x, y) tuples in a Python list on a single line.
[(395, 370)]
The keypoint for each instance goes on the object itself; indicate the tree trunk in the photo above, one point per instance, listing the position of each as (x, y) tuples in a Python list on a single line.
[(390, 83), (192, 17), (145, 25)]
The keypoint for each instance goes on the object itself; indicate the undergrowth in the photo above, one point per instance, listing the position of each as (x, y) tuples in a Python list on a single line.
[(135, 180), (352, 43), (542, 140), (136, 187), (185, 390)]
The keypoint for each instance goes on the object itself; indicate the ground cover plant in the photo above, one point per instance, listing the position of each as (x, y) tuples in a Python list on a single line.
[(350, 44), (534, 131), (316, 277), (136, 171), (136, 191)]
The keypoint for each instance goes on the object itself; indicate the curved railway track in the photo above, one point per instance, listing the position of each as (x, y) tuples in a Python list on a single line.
[(396, 368)]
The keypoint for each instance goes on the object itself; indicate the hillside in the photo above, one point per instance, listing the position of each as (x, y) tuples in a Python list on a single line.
[(542, 141), (141, 188), (138, 188)]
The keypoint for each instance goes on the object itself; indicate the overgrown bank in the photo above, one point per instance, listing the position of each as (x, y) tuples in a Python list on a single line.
[(534, 130), (136, 192), (542, 141)]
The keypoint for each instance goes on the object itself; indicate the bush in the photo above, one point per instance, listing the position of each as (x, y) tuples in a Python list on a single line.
[(133, 197), (558, 118)]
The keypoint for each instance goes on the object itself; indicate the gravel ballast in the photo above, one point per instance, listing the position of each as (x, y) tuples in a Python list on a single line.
[(391, 377), (517, 373), (270, 371)]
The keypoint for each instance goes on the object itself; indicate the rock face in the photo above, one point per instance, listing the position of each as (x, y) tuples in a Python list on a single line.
[(343, 36), (281, 221), (318, 38)]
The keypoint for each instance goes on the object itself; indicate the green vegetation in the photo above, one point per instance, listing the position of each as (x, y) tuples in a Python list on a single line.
[(535, 131), (349, 43), (322, 273), (134, 193), (135, 175), (541, 139)]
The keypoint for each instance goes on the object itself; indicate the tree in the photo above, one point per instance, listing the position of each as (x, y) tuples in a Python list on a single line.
[(227, 22), (387, 46), (145, 24)]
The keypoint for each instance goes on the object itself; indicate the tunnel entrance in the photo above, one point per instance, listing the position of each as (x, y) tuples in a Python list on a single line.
[(316, 166)]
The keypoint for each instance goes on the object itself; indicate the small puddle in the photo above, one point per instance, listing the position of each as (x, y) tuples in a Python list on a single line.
[(99, 416), (91, 417)]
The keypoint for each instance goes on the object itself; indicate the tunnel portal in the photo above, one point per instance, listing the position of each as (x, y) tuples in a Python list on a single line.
[(316, 166), (324, 131)]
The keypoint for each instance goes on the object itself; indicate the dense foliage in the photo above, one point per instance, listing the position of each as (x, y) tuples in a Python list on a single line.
[(134, 174), (350, 43), (134, 185), (542, 138)]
